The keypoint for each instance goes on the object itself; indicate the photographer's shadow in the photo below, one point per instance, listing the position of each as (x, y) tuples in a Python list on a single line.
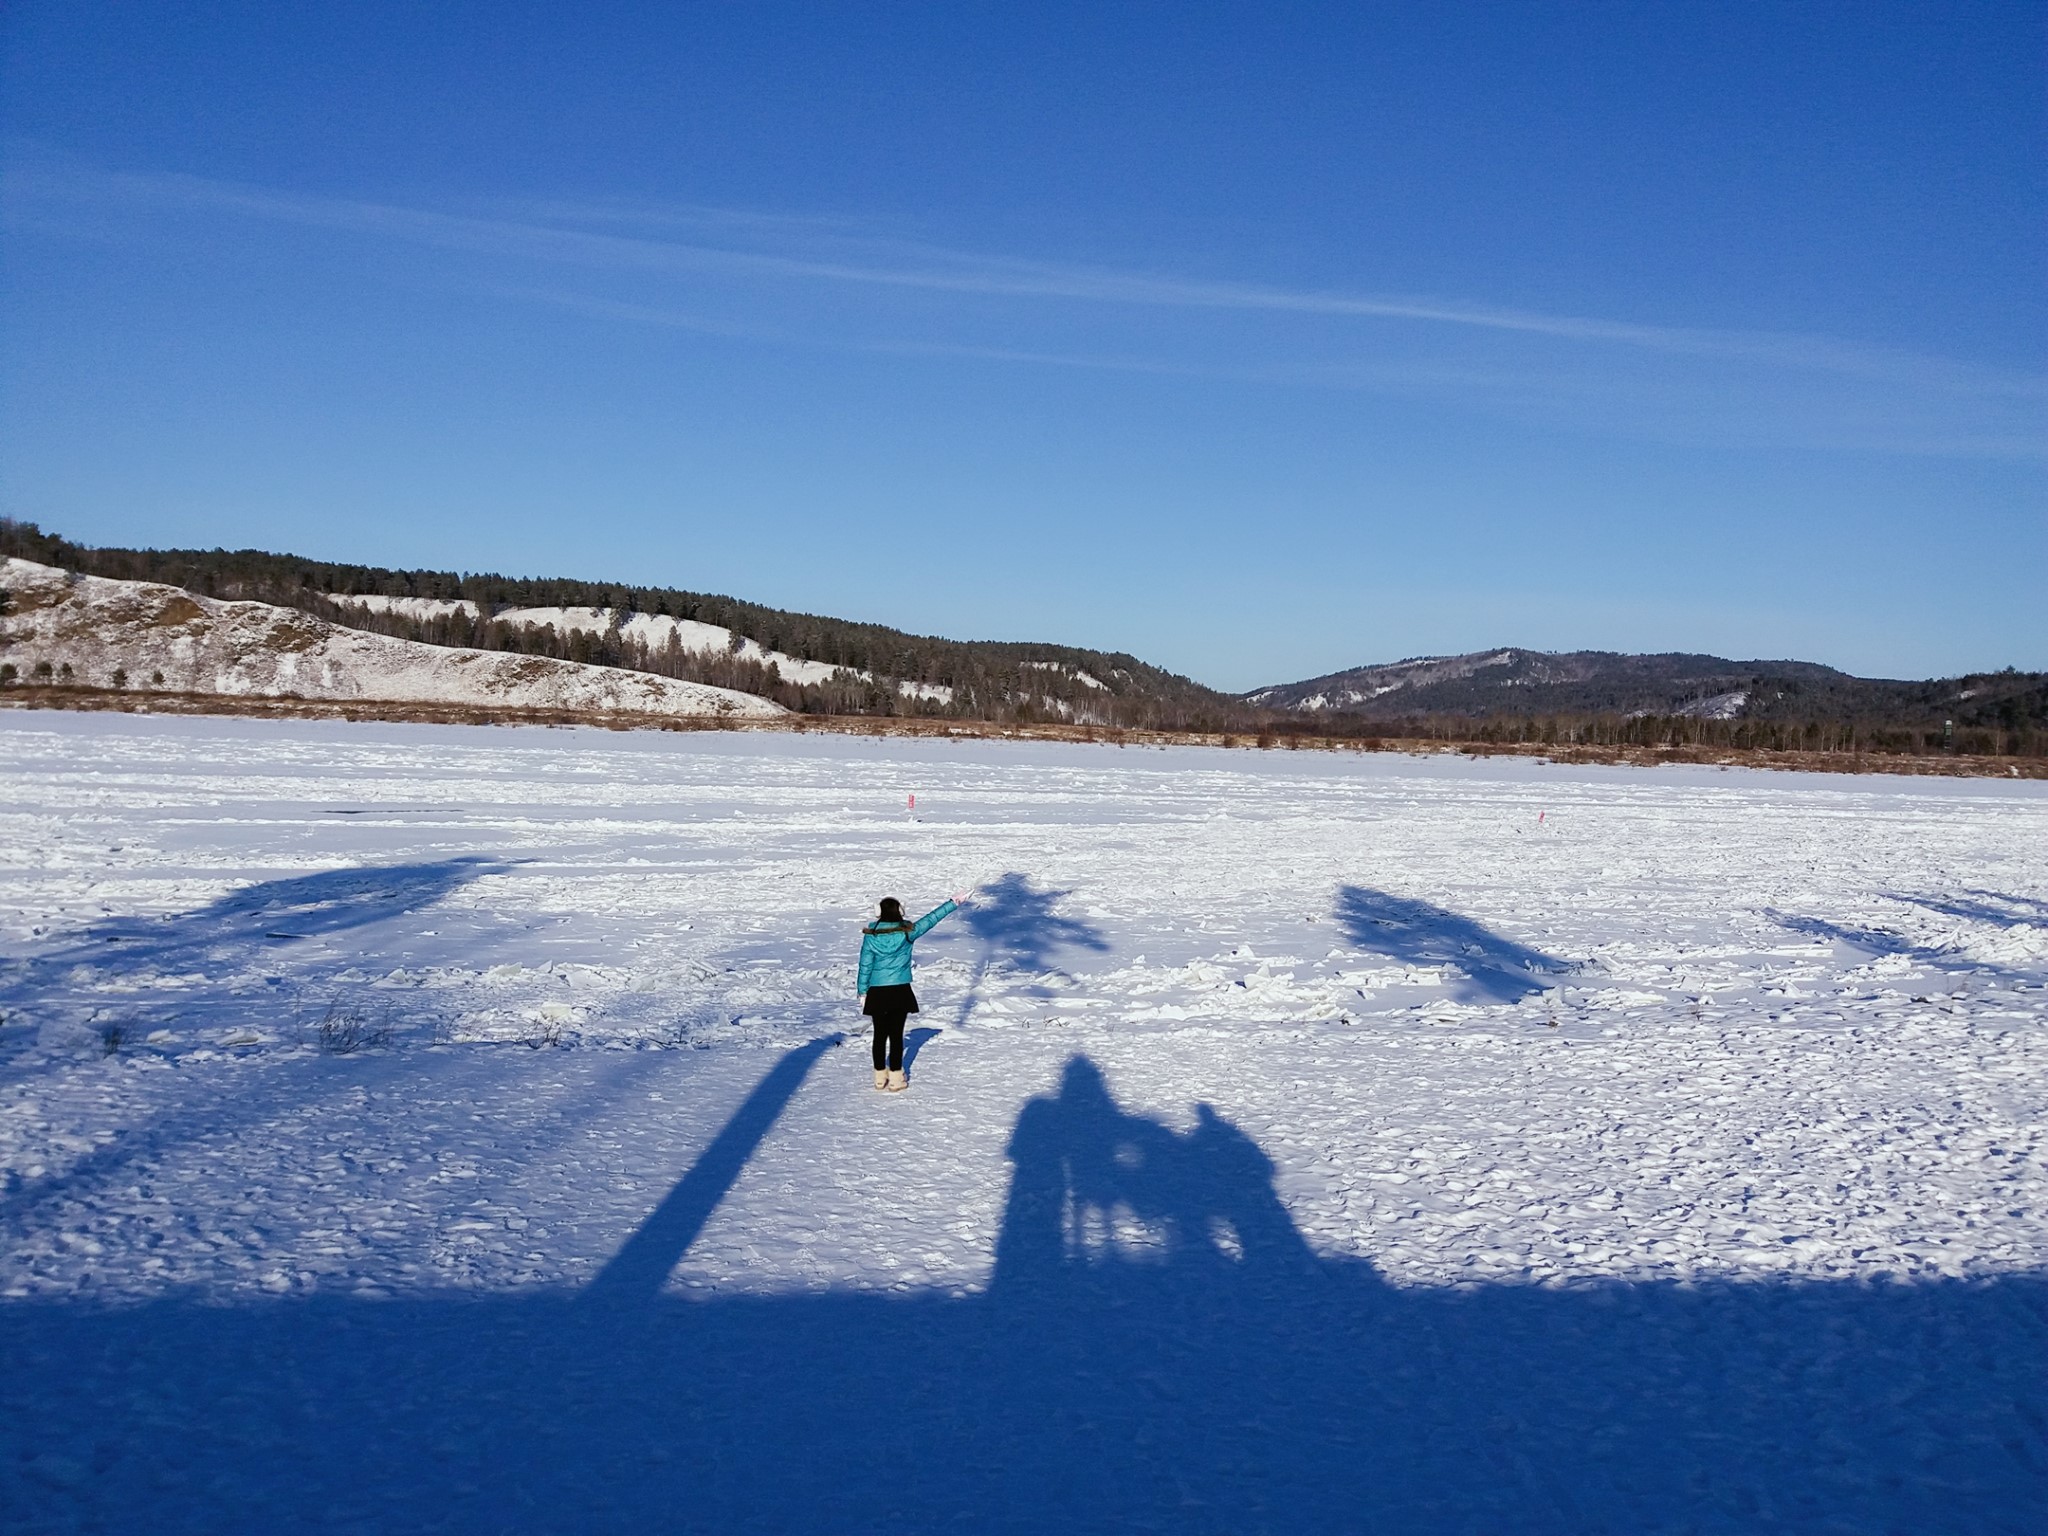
[(1158, 1347), (1098, 1191)]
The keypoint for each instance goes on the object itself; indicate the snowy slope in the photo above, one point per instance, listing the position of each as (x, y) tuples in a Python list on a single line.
[(95, 627), (1297, 1142), (422, 609), (1512, 679), (656, 631), (1520, 682), (1361, 685)]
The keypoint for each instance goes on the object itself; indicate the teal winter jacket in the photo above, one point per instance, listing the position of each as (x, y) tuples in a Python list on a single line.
[(885, 949)]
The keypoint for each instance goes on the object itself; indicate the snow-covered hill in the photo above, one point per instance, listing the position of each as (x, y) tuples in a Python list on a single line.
[(1516, 681), (1513, 682), (810, 661), (659, 632), (94, 631)]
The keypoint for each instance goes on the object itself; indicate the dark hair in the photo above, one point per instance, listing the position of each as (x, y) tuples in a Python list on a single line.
[(892, 919)]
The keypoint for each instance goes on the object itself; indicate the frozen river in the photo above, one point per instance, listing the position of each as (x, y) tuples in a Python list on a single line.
[(1295, 1141)]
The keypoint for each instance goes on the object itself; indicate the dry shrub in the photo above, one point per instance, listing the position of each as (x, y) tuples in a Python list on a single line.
[(345, 1029)]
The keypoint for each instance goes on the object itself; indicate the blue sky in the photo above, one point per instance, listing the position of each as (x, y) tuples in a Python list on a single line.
[(1258, 340)]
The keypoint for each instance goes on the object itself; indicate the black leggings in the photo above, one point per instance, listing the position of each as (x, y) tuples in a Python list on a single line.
[(889, 1038)]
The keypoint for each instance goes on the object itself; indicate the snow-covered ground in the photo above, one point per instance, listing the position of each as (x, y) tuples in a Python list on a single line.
[(1296, 1142)]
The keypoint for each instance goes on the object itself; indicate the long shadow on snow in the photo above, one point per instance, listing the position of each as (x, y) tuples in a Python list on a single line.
[(221, 938), (1879, 942), (225, 935), (1496, 969), (1994, 907), (1019, 927), (638, 1270), (1158, 1350)]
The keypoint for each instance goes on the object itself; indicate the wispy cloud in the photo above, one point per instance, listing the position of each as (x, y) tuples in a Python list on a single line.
[(708, 325), (711, 242)]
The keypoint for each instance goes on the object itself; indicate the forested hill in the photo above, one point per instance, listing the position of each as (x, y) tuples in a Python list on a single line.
[(1519, 683), (886, 670), (818, 665)]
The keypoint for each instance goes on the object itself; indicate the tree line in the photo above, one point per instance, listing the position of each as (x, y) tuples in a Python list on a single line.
[(1027, 683), (995, 681), (1654, 731)]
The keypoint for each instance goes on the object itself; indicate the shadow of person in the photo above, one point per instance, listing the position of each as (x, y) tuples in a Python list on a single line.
[(1096, 1191), (1018, 927), (1239, 1206), (1493, 968)]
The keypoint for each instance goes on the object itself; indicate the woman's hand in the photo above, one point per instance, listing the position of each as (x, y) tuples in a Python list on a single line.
[(960, 898)]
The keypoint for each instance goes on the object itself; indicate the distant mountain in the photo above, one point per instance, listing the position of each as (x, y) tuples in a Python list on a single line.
[(653, 643), (57, 627), (1521, 683)]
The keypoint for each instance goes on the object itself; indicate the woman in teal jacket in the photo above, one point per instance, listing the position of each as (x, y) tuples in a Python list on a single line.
[(885, 981)]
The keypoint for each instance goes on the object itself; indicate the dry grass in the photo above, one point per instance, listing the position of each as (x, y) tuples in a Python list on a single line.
[(345, 1029), (149, 701)]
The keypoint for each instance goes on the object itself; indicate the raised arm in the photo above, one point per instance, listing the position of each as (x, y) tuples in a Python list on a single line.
[(924, 924)]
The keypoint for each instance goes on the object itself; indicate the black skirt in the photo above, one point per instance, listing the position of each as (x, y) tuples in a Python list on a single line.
[(890, 1001)]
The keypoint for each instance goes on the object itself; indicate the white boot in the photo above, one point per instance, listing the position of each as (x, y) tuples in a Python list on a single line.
[(881, 1078), (897, 1081)]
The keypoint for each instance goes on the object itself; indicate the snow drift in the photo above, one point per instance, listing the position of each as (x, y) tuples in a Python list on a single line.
[(140, 634)]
